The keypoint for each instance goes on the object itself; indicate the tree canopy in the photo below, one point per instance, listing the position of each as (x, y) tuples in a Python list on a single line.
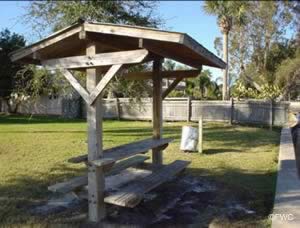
[(8, 42), (49, 16), (259, 46), (228, 13)]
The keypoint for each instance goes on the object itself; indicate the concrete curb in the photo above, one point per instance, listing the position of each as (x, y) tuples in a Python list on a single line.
[(286, 211)]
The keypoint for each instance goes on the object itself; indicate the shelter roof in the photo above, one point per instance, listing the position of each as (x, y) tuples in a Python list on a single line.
[(112, 37)]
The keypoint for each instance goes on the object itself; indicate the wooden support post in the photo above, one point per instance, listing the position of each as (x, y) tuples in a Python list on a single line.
[(117, 108), (231, 110), (96, 183), (271, 115), (157, 109), (188, 109), (200, 134)]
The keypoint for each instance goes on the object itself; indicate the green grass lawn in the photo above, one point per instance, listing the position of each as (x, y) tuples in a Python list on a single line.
[(34, 153)]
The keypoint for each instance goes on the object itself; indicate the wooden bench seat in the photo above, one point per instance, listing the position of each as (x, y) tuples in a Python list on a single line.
[(133, 193), (127, 150), (78, 182)]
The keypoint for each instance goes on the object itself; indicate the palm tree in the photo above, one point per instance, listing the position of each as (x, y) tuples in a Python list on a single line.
[(228, 12), (204, 82)]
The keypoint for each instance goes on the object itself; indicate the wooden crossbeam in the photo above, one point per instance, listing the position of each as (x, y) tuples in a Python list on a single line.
[(165, 74), (104, 82), (103, 59), (76, 85), (171, 87)]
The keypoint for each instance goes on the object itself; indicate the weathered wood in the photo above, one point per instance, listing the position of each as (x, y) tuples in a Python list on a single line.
[(115, 182), (53, 38), (126, 163), (165, 74), (157, 109), (78, 182), (188, 109), (128, 150), (157, 49), (76, 85), (157, 35), (134, 31), (94, 93), (231, 110), (171, 87), (271, 115), (82, 34), (96, 182), (132, 194), (103, 59), (70, 185), (104, 82), (211, 59), (178, 46), (105, 163), (36, 55), (117, 108), (200, 134)]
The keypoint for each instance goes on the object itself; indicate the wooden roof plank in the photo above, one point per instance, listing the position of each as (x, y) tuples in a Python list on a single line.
[(134, 31), (44, 43), (194, 45)]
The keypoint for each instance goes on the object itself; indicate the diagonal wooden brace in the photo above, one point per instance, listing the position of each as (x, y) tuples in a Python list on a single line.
[(189, 73), (92, 97), (103, 83), (171, 87), (76, 85)]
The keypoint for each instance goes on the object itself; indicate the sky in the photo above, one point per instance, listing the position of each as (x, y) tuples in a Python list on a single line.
[(179, 16)]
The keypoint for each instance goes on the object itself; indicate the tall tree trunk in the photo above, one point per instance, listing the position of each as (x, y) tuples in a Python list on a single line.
[(225, 71)]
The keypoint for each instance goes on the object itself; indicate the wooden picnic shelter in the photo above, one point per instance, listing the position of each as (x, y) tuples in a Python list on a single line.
[(103, 51)]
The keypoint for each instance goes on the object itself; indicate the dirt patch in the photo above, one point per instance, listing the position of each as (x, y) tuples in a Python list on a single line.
[(181, 201)]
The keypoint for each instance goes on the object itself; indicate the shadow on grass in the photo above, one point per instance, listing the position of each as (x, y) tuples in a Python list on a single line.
[(168, 131), (219, 151), (42, 132), (231, 138), (229, 135), (255, 190), (27, 119)]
